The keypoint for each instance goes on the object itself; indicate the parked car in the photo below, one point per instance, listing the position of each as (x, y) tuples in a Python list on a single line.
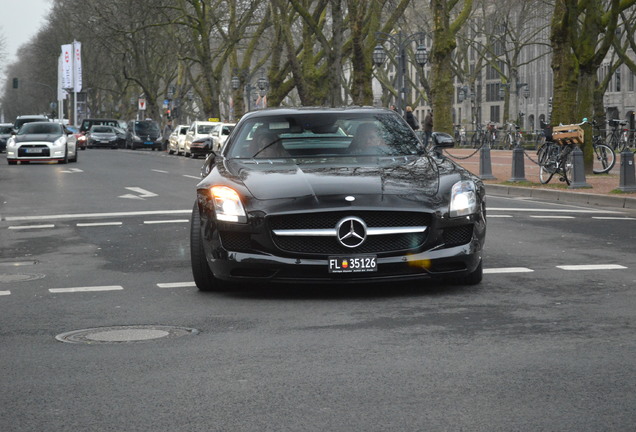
[(334, 196), (80, 139), (42, 141), (220, 133), (20, 120), (104, 136), (143, 134), (90, 122), (176, 140), (198, 129), (5, 134)]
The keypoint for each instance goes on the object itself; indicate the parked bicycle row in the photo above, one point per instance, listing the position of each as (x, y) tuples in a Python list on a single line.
[(617, 136)]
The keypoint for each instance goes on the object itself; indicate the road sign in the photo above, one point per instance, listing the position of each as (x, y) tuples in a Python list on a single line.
[(142, 104)]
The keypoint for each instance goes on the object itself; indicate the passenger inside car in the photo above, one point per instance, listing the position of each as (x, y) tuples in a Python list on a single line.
[(367, 140), (267, 145)]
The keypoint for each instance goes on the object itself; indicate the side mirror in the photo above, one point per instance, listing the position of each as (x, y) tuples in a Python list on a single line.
[(441, 141), (208, 164)]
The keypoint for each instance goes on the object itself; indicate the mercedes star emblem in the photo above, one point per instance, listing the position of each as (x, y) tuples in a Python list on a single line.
[(352, 231)]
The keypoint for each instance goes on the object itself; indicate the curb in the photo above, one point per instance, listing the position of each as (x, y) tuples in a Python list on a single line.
[(616, 201)]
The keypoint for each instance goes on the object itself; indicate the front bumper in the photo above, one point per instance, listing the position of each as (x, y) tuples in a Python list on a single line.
[(261, 265)]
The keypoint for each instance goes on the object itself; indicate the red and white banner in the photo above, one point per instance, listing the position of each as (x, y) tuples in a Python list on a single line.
[(77, 66), (67, 66)]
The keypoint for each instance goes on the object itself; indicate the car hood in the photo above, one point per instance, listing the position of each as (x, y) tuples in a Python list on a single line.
[(412, 178), (37, 137)]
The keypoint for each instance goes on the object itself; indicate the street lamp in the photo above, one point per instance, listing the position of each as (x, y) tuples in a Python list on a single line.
[(400, 41), (262, 84)]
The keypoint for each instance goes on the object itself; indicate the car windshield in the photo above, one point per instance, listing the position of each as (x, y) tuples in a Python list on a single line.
[(86, 124), (330, 134), (40, 129), (205, 129), (145, 127), (184, 130), (6, 129), (101, 129)]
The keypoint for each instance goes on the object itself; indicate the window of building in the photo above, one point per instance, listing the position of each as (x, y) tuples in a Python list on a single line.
[(494, 113)]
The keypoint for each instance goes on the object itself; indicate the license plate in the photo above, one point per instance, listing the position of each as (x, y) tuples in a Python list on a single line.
[(353, 264), (33, 150), (104, 142), (149, 143)]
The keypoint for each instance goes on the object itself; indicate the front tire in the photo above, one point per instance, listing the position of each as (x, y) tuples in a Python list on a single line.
[(473, 278), (203, 276), (604, 159)]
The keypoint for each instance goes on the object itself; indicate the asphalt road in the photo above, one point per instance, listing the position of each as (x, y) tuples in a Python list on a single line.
[(545, 343)]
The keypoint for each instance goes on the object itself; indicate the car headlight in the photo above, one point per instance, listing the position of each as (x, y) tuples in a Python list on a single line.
[(463, 199), (59, 142), (227, 205), (11, 142)]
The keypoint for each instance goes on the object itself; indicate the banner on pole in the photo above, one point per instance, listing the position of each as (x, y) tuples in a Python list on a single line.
[(67, 66), (77, 66)]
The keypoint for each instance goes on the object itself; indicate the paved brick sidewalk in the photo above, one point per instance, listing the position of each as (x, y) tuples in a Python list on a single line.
[(501, 168)]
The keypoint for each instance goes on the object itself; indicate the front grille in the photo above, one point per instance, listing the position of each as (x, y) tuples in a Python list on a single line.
[(459, 235), (330, 219), (235, 241), (317, 245), (22, 151), (329, 245)]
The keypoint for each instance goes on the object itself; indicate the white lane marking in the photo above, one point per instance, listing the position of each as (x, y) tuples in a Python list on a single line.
[(499, 216), (72, 170), (191, 176), (612, 218), (167, 221), (552, 217), (541, 210), (2, 293), (592, 267), (95, 215), (160, 171), (87, 289), (142, 193), (176, 285), (508, 270), (95, 224), (17, 227)]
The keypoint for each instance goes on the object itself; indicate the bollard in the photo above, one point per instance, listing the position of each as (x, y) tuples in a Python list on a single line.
[(578, 170), (628, 175), (485, 166), (518, 167)]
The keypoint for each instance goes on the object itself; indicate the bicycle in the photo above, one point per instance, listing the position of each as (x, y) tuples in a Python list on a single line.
[(618, 137), (604, 156), (478, 138), (556, 155), (554, 159), (512, 138)]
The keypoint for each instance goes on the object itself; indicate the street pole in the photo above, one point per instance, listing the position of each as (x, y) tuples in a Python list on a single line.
[(400, 42)]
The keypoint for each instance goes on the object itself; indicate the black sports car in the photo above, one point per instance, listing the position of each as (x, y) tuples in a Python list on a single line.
[(334, 195)]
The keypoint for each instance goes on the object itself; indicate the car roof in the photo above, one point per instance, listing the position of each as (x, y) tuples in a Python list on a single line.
[(272, 112)]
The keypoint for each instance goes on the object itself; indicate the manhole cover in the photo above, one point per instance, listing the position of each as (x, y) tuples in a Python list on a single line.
[(124, 334), (12, 278)]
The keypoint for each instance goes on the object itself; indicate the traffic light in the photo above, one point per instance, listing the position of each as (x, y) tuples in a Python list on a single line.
[(168, 114), (15, 83)]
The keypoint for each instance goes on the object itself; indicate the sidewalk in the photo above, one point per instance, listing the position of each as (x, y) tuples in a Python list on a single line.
[(599, 193)]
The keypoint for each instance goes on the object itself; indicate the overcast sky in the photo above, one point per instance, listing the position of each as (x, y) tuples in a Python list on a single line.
[(21, 20)]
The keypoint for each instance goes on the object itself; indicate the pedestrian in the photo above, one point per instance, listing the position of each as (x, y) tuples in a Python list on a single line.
[(410, 118), (167, 130), (392, 108), (428, 127)]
